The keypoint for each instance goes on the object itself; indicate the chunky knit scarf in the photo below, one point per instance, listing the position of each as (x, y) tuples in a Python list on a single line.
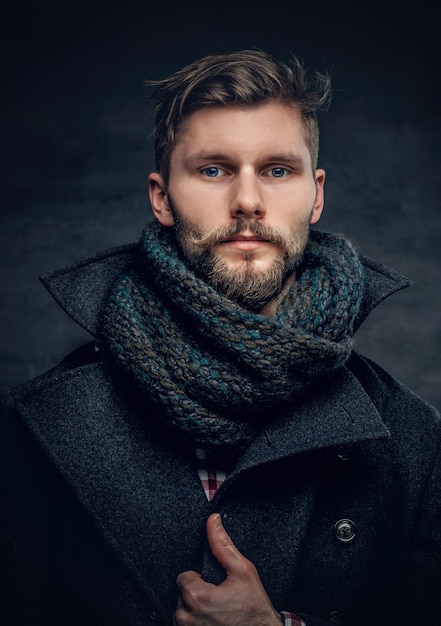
[(217, 371)]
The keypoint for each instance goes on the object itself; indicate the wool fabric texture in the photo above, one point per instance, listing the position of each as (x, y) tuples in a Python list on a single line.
[(217, 371)]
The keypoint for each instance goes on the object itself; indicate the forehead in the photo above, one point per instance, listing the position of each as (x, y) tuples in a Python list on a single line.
[(274, 126)]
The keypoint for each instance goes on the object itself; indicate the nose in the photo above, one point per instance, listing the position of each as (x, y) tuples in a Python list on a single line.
[(247, 198)]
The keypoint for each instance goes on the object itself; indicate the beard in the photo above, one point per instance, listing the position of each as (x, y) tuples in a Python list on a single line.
[(250, 287)]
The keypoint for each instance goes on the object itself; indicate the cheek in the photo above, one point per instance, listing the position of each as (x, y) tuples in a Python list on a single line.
[(190, 203), (202, 215), (294, 199), (294, 216)]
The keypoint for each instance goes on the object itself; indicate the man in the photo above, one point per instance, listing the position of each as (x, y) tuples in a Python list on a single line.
[(222, 362)]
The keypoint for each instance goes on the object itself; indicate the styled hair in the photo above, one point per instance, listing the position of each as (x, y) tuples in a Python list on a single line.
[(246, 78)]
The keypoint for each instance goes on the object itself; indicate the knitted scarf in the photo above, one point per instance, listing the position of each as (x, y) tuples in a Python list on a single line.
[(216, 371)]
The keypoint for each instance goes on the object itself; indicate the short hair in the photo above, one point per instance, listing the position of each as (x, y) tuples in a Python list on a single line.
[(246, 78)]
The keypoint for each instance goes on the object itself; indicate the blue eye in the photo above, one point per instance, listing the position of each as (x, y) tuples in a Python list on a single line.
[(213, 172), (278, 172)]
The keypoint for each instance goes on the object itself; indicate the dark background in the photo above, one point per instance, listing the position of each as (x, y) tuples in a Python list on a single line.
[(76, 150)]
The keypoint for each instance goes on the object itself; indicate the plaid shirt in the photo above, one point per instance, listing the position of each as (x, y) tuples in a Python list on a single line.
[(211, 480)]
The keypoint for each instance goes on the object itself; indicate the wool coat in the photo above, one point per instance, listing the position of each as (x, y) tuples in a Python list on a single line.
[(337, 501)]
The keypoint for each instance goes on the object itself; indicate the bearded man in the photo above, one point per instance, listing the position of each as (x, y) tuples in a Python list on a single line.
[(220, 455)]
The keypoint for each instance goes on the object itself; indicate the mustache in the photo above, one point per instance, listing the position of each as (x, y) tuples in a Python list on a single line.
[(217, 235)]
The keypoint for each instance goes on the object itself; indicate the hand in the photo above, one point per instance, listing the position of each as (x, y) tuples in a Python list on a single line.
[(240, 600)]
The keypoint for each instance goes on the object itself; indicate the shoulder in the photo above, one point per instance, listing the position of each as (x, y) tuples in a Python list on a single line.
[(62, 412), (64, 384), (415, 425), (386, 392)]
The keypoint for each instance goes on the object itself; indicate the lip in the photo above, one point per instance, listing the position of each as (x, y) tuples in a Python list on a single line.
[(246, 242), (243, 237)]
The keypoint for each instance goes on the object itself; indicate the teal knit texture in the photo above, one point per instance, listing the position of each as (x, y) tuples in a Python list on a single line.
[(217, 371)]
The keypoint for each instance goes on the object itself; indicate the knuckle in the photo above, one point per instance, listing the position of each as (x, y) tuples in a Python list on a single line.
[(248, 569), (181, 618), (226, 541), (194, 592)]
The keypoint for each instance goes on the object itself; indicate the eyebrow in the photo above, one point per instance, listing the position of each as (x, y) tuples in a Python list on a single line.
[(285, 157), (205, 155)]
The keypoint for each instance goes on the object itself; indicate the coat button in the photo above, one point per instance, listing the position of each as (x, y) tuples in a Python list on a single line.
[(334, 617), (344, 452), (345, 530)]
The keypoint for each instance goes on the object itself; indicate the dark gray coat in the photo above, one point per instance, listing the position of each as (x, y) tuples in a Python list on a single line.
[(337, 503)]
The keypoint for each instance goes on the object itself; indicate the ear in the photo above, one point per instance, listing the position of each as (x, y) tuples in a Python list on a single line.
[(159, 200), (319, 201)]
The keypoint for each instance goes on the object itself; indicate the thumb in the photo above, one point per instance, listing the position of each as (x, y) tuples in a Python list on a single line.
[(223, 548)]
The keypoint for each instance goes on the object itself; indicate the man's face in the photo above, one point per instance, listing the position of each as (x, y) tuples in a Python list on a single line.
[(241, 195)]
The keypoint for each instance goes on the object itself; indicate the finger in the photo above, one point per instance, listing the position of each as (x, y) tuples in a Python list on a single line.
[(185, 578), (223, 548), (192, 589)]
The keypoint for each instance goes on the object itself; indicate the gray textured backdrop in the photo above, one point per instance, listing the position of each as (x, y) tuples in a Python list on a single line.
[(77, 148)]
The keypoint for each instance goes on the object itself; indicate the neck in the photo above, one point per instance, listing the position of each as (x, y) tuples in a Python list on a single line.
[(270, 309)]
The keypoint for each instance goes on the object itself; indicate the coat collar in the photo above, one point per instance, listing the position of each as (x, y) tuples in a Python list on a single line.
[(81, 289)]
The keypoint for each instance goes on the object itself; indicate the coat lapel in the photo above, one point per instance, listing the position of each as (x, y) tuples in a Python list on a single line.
[(149, 504), (283, 469)]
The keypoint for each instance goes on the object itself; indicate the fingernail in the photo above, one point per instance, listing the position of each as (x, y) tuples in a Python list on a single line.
[(217, 522)]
